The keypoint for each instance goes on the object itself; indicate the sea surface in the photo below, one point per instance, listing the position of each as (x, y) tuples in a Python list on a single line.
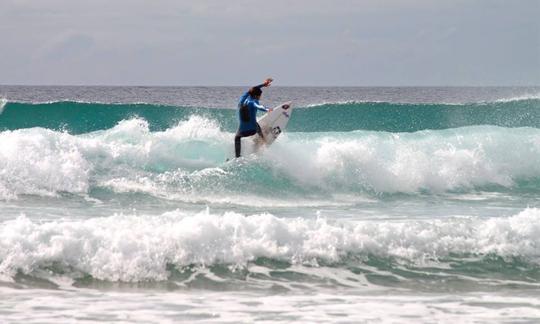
[(401, 205)]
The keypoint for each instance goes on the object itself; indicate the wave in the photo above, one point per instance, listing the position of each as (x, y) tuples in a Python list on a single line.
[(140, 248), (524, 97), (81, 117), (186, 162), (396, 117)]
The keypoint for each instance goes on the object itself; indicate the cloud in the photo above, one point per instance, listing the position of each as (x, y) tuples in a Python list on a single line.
[(301, 42)]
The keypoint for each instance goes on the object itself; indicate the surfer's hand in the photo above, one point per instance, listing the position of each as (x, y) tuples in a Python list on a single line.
[(270, 109), (267, 82)]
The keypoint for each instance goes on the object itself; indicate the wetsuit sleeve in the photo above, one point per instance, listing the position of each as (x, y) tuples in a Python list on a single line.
[(260, 107)]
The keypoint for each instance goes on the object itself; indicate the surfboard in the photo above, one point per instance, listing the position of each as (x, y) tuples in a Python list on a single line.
[(272, 124)]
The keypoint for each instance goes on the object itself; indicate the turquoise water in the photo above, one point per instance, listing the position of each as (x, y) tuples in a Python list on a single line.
[(386, 203), (82, 117)]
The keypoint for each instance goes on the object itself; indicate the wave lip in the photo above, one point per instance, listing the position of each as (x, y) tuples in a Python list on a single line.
[(525, 97), (131, 248)]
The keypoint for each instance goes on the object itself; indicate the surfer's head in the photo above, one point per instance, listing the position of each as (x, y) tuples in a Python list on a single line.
[(255, 93)]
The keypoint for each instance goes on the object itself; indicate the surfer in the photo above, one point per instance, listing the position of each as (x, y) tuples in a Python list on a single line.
[(247, 113)]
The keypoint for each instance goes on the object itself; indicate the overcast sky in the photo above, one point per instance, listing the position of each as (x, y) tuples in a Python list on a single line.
[(298, 42)]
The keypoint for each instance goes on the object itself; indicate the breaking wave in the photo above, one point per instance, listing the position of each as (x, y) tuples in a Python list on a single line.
[(140, 248), (187, 162)]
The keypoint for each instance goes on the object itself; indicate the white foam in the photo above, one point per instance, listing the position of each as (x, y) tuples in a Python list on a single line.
[(345, 102), (391, 306), (60, 306), (135, 248), (41, 162), (45, 162), (436, 161)]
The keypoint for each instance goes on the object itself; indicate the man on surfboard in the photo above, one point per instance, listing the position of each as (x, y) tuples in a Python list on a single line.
[(247, 114)]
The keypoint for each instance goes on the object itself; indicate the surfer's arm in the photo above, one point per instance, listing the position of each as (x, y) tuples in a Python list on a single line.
[(263, 108), (246, 95), (260, 107), (266, 83)]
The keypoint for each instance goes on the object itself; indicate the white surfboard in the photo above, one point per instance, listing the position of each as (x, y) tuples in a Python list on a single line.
[(273, 123)]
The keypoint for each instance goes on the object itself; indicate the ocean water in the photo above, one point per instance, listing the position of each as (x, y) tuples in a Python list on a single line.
[(403, 205)]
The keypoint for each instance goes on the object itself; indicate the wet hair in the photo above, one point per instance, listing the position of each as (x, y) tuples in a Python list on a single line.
[(255, 92)]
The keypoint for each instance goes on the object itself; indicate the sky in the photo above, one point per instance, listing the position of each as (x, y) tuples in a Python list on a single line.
[(298, 42)]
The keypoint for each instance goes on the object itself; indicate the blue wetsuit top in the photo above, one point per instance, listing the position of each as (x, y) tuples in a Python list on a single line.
[(249, 123)]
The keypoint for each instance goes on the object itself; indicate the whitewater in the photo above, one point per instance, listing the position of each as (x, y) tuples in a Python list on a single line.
[(377, 204)]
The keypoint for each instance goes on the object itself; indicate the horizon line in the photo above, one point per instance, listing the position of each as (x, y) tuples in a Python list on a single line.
[(274, 86)]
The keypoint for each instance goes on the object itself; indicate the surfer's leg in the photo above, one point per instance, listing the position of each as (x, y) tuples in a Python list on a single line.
[(237, 144)]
